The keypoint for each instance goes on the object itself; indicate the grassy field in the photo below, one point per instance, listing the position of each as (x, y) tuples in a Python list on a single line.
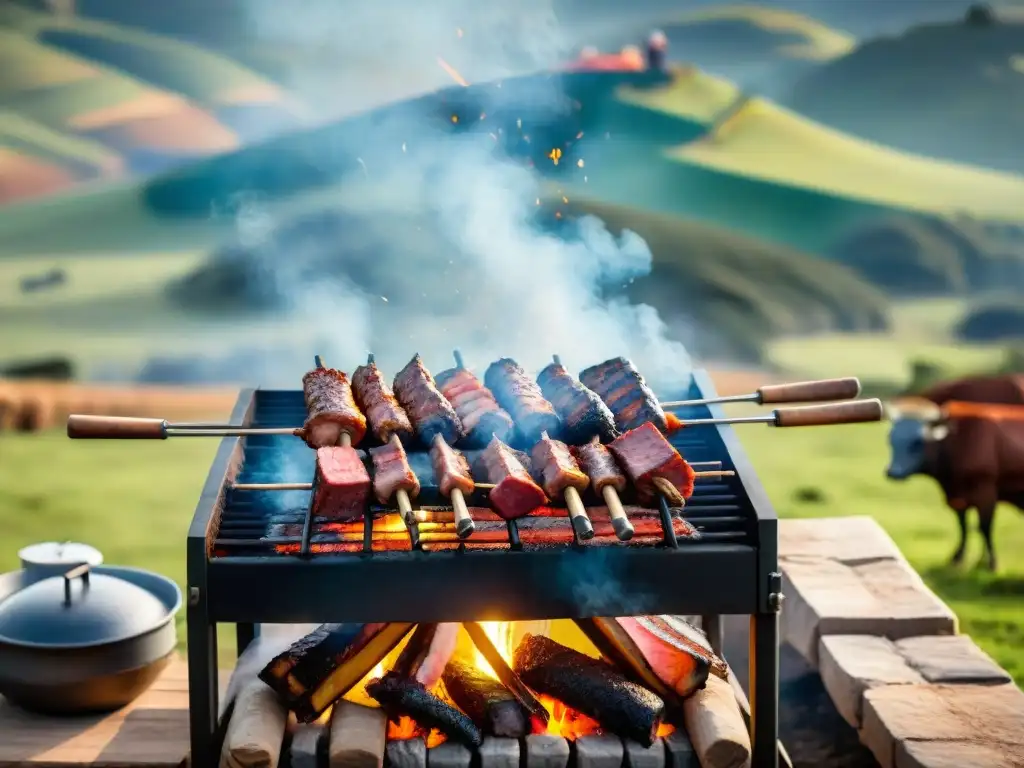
[(134, 503)]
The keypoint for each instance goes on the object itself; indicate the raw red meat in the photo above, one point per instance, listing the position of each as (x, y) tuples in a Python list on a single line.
[(391, 472), (515, 494), (342, 484), (555, 466)]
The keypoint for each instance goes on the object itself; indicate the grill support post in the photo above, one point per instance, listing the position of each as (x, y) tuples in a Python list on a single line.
[(203, 684)]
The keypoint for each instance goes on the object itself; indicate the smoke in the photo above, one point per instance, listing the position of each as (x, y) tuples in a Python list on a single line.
[(435, 241), (596, 585)]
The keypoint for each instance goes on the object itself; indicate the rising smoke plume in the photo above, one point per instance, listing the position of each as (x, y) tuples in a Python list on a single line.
[(444, 249)]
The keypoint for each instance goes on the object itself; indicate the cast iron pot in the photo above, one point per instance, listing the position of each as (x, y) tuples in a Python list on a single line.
[(89, 640)]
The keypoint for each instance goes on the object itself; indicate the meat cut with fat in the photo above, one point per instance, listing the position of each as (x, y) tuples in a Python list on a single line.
[(645, 455), (331, 409), (515, 494), (342, 484), (391, 472)]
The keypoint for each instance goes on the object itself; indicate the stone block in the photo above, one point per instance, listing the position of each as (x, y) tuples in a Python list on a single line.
[(544, 750), (850, 540), (951, 659), (599, 752)]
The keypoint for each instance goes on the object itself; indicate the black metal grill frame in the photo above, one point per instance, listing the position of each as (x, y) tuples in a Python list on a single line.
[(711, 579)]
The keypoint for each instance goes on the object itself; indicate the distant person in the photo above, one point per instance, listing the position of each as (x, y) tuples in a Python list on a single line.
[(657, 50)]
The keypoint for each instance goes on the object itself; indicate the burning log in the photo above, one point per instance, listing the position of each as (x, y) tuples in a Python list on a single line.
[(716, 728), (667, 655), (324, 665), (358, 736), (398, 697), (592, 687), (256, 729), (504, 672), (427, 653), (488, 703)]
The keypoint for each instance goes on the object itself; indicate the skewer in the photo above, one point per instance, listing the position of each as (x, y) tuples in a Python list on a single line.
[(402, 497), (796, 392), (581, 524), (620, 521), (463, 522), (82, 427)]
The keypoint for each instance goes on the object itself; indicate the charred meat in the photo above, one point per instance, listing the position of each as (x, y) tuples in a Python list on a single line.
[(653, 465), (679, 654), (323, 666), (590, 686), (583, 413), (331, 409), (451, 469), (479, 412), (626, 394), (429, 411), (555, 468), (400, 696), (597, 461), (518, 394), (515, 494), (391, 472), (342, 484), (378, 402)]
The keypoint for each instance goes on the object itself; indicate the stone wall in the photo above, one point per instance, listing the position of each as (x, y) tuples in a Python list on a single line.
[(889, 653)]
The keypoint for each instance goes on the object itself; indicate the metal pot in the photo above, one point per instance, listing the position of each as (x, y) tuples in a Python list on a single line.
[(91, 639)]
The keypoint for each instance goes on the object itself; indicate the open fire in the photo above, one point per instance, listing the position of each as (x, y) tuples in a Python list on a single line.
[(441, 682)]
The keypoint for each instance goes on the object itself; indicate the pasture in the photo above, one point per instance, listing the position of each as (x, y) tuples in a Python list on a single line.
[(134, 502)]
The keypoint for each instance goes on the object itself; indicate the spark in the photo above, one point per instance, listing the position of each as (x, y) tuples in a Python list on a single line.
[(565, 199), (384, 299), (579, 135), (579, 163), (555, 155), (453, 73)]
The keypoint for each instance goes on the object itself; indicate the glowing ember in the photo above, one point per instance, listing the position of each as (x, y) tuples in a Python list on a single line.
[(453, 73), (455, 118), (555, 155), (406, 728)]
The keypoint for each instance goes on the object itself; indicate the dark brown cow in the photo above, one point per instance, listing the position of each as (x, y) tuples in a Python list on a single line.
[(976, 457)]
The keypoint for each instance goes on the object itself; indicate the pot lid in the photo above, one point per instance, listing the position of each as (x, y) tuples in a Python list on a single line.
[(79, 608), (52, 553)]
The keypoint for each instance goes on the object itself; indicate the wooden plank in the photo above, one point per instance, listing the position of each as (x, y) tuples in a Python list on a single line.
[(151, 732), (358, 734)]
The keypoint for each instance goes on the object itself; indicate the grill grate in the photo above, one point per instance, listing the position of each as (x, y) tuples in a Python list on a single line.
[(235, 575)]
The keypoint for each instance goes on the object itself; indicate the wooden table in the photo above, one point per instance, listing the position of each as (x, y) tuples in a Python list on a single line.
[(151, 732)]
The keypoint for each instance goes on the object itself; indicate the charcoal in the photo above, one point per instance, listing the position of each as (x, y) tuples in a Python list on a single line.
[(400, 696), (590, 686), (488, 703)]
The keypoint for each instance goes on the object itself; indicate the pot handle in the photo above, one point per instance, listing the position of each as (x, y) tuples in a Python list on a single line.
[(76, 572)]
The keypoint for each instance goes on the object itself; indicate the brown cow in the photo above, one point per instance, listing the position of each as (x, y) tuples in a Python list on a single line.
[(977, 459)]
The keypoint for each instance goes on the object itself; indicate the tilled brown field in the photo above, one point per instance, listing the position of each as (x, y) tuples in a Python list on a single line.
[(28, 406)]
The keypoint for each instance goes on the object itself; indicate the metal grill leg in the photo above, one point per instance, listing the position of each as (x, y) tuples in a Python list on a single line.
[(244, 634), (764, 689), (202, 686), (712, 626)]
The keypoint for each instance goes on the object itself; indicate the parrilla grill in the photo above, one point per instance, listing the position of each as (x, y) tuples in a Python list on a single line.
[(258, 532), (231, 572)]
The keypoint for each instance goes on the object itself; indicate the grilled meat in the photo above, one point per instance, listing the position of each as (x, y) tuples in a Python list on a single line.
[(451, 469), (489, 704), (590, 686), (342, 485), (400, 696), (555, 468), (599, 464), (518, 394), (626, 394), (583, 413), (331, 409), (378, 402), (430, 412), (391, 472), (479, 412), (515, 494), (653, 465)]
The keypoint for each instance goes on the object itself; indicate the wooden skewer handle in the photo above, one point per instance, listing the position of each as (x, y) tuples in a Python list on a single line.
[(578, 514), (81, 427), (405, 506), (620, 522), (346, 440), (810, 391), (715, 473), (464, 525), (831, 413)]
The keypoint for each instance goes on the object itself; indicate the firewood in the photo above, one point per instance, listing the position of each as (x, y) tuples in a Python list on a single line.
[(256, 729), (715, 726), (358, 736)]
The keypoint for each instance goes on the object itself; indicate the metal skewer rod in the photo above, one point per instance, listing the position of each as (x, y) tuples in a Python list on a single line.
[(796, 392)]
